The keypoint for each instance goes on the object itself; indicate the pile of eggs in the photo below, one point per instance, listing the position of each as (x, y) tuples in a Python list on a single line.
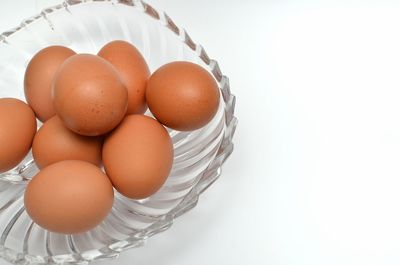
[(95, 137)]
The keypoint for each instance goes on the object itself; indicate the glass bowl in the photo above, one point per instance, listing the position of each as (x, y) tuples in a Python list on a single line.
[(85, 26)]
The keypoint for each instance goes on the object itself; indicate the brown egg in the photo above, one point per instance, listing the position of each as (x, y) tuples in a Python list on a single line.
[(54, 142), (89, 96), (39, 76), (138, 156), (182, 96), (69, 197), (133, 71), (17, 129)]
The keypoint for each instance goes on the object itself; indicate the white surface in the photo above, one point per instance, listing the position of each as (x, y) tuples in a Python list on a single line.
[(315, 175)]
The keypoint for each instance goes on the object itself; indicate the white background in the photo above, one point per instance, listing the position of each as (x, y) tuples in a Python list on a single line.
[(315, 175)]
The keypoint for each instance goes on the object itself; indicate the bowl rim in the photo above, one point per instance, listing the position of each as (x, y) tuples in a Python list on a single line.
[(208, 177)]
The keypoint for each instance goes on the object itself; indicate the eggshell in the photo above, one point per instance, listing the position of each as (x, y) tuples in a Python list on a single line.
[(54, 142), (89, 96), (69, 197), (39, 77), (183, 96), (17, 129), (132, 69), (138, 156)]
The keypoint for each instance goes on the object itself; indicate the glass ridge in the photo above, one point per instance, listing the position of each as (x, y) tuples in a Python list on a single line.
[(198, 158)]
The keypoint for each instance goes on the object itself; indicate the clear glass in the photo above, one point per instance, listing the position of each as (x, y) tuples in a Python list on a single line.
[(86, 26)]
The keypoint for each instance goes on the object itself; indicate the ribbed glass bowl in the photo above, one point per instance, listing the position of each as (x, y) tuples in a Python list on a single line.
[(85, 26)]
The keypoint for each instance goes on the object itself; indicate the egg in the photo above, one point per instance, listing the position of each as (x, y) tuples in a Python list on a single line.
[(89, 96), (17, 129), (133, 71), (69, 197), (138, 156), (54, 142), (39, 77), (182, 95)]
